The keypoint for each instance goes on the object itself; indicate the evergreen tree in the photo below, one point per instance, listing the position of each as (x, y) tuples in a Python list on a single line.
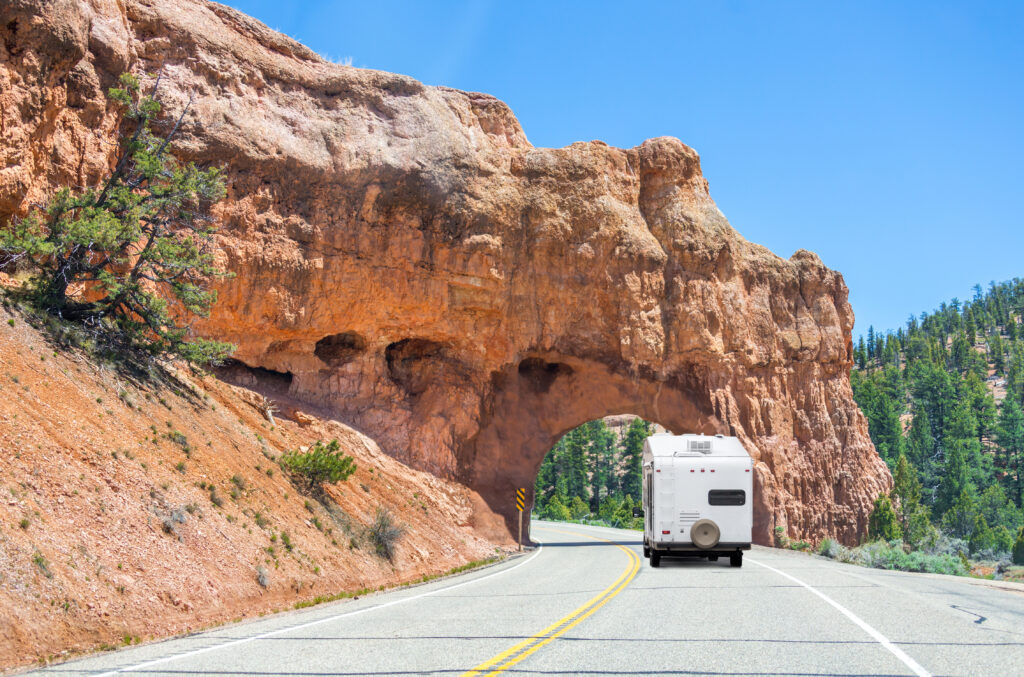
[(632, 453), (998, 510), (955, 478), (1010, 437), (906, 490), (1018, 548), (962, 435), (578, 508), (882, 523), (601, 452), (962, 517), (609, 506), (983, 405), (861, 354), (131, 258), (997, 353), (556, 509), (575, 469)]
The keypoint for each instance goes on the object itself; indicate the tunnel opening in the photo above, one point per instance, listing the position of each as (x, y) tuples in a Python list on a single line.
[(259, 379), (593, 473), (336, 350), (540, 375), (413, 363)]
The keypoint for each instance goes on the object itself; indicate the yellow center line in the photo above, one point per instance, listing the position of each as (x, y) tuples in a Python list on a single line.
[(513, 655)]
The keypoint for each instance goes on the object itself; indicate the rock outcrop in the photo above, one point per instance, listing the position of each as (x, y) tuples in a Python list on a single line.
[(406, 259)]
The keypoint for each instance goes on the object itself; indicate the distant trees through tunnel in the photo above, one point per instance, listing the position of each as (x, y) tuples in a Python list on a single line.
[(593, 473)]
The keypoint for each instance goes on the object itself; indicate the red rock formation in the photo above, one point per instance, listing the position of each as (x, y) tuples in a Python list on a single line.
[(407, 259)]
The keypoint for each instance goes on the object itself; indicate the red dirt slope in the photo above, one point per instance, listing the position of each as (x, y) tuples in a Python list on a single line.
[(108, 528)]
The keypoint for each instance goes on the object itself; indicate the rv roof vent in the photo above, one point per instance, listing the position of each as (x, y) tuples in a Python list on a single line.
[(720, 436), (699, 446)]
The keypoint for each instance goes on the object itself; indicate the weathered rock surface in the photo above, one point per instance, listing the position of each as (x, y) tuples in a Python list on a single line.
[(406, 259)]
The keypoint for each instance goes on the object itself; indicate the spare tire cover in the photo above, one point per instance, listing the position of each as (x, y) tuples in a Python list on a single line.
[(704, 534)]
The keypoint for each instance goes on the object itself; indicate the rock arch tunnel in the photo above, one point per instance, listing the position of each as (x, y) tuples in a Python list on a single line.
[(407, 261), (468, 353)]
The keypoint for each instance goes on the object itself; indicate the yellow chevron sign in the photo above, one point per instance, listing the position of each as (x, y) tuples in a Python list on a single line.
[(520, 499)]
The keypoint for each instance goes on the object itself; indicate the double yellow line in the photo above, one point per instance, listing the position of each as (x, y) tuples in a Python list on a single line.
[(510, 657)]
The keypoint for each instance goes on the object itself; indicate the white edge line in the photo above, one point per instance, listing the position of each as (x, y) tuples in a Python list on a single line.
[(878, 637), (243, 640)]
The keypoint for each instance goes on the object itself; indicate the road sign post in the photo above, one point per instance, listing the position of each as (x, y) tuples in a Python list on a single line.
[(520, 504)]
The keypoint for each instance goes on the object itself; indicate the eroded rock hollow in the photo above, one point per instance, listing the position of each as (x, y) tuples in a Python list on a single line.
[(408, 261)]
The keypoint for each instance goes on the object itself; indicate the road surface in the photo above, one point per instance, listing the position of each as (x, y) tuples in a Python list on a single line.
[(588, 603)]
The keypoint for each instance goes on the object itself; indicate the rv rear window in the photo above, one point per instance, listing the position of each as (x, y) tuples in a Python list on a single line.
[(727, 497)]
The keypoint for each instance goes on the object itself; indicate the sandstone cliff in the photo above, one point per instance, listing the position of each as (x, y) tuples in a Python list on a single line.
[(408, 261)]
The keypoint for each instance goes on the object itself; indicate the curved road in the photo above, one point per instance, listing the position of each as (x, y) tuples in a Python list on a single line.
[(588, 603)]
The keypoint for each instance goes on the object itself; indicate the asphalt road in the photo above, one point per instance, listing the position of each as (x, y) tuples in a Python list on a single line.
[(588, 603)]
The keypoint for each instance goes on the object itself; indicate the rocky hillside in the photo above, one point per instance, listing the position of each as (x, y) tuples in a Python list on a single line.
[(132, 509), (406, 260)]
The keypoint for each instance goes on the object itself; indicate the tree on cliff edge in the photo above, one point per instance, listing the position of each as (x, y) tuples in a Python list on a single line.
[(132, 256)]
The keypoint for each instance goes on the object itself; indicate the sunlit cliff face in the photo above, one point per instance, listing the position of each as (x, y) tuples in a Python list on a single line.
[(407, 261)]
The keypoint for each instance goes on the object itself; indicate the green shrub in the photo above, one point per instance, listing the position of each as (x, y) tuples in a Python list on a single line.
[(384, 533), (578, 508), (829, 547), (781, 539), (43, 565), (321, 463), (1018, 548), (883, 523), (556, 510)]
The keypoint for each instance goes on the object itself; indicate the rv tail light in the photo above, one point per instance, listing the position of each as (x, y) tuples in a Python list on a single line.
[(712, 470), (692, 470), (747, 470), (702, 469), (665, 531), (658, 470)]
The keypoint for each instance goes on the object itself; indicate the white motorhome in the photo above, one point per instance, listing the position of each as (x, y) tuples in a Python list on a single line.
[(697, 495)]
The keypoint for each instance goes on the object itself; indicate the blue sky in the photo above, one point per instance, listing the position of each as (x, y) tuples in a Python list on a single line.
[(886, 137)]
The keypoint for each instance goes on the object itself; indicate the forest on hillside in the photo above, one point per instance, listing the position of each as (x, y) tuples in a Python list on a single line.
[(943, 397)]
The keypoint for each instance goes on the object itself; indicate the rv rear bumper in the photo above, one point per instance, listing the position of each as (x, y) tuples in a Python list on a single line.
[(691, 548)]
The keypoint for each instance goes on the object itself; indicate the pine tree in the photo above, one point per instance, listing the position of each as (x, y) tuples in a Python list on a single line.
[(861, 354), (1018, 548), (576, 464), (962, 438), (906, 490), (1010, 436), (132, 257), (632, 453), (983, 405), (882, 523), (601, 455), (999, 510), (997, 353), (962, 517), (556, 509), (955, 478), (578, 508)]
